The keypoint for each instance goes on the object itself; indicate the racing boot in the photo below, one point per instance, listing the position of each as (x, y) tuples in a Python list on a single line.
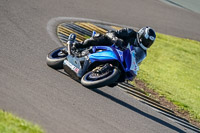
[(72, 38)]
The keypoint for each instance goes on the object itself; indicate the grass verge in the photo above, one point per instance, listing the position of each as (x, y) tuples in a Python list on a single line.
[(12, 124), (172, 69)]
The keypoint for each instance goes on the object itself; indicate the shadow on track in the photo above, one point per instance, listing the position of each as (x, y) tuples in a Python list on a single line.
[(122, 103)]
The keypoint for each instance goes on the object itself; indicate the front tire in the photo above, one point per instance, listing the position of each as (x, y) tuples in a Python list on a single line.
[(109, 79), (55, 58)]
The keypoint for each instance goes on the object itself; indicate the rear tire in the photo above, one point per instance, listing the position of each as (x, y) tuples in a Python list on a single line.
[(55, 58), (85, 81)]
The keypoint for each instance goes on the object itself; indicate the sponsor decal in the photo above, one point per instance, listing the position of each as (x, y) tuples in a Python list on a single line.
[(75, 69)]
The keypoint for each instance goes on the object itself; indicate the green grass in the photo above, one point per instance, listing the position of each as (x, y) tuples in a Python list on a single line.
[(172, 68), (12, 124)]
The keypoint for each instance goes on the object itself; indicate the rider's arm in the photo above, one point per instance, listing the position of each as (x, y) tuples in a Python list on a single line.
[(122, 34), (125, 33)]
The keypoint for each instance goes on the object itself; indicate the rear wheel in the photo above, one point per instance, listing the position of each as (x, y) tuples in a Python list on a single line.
[(55, 58), (96, 79)]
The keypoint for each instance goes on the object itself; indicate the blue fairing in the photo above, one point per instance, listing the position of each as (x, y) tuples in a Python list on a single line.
[(126, 58), (103, 56), (108, 54)]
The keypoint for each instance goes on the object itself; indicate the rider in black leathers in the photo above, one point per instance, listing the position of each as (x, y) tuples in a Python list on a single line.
[(141, 40)]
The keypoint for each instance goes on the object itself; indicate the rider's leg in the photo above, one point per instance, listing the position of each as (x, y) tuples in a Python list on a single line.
[(97, 40)]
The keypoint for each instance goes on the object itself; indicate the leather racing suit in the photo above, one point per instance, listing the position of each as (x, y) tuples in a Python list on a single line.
[(121, 38)]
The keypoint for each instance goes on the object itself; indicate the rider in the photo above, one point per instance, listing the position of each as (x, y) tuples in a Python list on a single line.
[(141, 40)]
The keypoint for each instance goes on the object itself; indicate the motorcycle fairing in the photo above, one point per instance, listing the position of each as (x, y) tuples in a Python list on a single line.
[(126, 58), (76, 67), (103, 56)]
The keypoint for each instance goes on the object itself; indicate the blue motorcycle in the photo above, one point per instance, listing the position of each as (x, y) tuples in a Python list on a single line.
[(96, 66)]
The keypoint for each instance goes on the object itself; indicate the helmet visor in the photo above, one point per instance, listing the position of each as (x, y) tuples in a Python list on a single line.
[(146, 42)]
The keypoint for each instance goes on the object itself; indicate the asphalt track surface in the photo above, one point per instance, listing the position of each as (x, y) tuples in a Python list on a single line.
[(192, 5), (33, 91)]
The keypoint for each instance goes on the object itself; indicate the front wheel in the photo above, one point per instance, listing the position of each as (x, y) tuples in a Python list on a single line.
[(95, 80), (56, 57)]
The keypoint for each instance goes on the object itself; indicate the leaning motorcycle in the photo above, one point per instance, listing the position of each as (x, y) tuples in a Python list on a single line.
[(96, 66)]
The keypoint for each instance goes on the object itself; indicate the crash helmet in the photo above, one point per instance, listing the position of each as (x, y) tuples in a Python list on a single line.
[(146, 37)]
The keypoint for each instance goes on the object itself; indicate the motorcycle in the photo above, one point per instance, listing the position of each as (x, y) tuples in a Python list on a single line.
[(96, 66)]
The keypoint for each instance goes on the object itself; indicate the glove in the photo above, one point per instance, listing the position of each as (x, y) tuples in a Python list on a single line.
[(77, 45)]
